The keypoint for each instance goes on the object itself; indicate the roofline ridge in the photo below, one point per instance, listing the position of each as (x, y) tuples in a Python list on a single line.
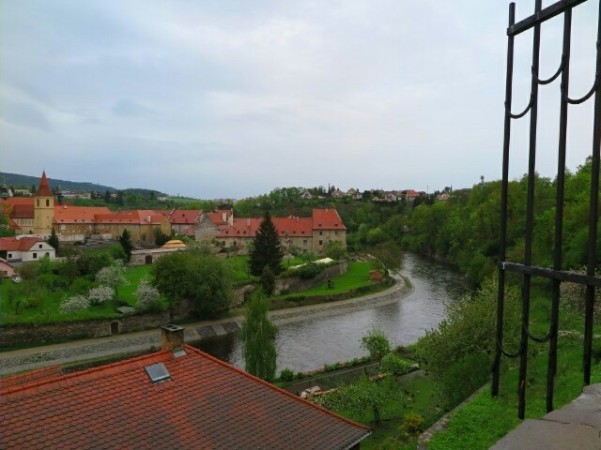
[(78, 373), (275, 388)]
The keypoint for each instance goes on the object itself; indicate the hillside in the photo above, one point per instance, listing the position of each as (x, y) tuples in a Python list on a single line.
[(26, 181)]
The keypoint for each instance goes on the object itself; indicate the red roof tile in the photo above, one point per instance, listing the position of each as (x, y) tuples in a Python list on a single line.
[(185, 216), (20, 211), (21, 244), (327, 219), (44, 189), (206, 404), (217, 217), (78, 214)]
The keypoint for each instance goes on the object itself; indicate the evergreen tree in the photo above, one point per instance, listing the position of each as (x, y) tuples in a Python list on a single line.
[(53, 240), (125, 241), (267, 249), (258, 335)]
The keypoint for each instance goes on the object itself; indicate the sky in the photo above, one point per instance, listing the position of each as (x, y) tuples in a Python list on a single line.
[(231, 99)]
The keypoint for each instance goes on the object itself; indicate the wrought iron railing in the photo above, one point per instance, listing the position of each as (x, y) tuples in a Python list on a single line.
[(527, 269)]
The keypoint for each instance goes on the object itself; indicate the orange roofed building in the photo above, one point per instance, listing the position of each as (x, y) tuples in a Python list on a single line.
[(309, 234), (176, 398)]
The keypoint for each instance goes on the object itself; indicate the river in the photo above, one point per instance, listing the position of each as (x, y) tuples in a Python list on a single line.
[(309, 344)]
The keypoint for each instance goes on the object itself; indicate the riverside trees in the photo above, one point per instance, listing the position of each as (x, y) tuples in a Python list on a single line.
[(196, 276)]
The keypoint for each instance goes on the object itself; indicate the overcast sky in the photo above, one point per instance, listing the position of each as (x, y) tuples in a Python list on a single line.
[(216, 99)]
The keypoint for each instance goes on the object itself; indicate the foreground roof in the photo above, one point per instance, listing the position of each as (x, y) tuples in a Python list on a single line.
[(204, 403)]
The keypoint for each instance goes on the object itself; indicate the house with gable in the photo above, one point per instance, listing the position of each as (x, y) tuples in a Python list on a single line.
[(25, 249), (184, 221), (178, 397)]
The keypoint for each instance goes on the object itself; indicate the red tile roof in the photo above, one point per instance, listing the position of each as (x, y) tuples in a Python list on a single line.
[(78, 214), (20, 211), (22, 244), (185, 216), (44, 189), (206, 404), (327, 219), (217, 216)]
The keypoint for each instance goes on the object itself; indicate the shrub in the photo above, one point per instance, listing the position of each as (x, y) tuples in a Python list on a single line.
[(286, 375), (100, 294), (74, 304), (376, 343), (309, 270), (394, 364), (413, 423), (148, 296)]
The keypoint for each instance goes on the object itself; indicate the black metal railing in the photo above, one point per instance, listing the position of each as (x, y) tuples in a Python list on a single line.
[(527, 269)]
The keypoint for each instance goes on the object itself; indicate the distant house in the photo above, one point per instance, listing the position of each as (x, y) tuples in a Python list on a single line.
[(184, 220), (25, 248), (306, 195), (7, 270), (178, 397)]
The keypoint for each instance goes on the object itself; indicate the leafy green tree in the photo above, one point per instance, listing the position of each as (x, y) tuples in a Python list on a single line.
[(160, 238), (363, 395), (125, 241), (196, 276), (258, 335), (267, 249), (376, 343)]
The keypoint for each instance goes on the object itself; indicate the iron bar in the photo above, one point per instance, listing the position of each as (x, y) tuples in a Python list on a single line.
[(594, 217), (542, 15), (559, 203), (523, 113), (504, 190), (560, 275), (556, 74), (587, 96), (526, 283)]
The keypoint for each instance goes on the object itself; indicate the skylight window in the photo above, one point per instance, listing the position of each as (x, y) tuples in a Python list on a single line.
[(158, 373)]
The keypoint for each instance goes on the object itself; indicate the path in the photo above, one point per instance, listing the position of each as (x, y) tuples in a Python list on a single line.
[(37, 357)]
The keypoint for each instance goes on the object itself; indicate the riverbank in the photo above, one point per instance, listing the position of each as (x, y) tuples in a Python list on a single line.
[(68, 352)]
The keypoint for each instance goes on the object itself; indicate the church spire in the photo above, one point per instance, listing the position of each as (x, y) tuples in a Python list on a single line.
[(44, 189)]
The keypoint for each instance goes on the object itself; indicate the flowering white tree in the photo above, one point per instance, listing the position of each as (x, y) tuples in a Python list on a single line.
[(112, 276), (147, 295), (100, 295), (74, 304)]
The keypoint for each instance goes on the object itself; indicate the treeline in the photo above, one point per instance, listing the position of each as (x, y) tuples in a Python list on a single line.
[(464, 231)]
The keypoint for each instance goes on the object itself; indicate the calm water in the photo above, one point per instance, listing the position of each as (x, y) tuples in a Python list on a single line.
[(311, 343)]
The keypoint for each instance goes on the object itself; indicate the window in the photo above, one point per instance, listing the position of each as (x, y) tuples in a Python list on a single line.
[(47, 202), (304, 242), (336, 233), (37, 203), (39, 245), (320, 242), (48, 254), (10, 255), (320, 233), (35, 256)]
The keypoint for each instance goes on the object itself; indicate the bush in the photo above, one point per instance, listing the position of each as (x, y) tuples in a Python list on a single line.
[(376, 343), (309, 270), (394, 365), (286, 375), (74, 304), (413, 424), (100, 294)]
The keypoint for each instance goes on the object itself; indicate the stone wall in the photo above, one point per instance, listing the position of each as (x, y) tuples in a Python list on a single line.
[(11, 335)]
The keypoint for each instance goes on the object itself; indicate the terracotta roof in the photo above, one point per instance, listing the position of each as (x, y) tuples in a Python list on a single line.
[(20, 201), (217, 216), (22, 211), (78, 214), (22, 244), (185, 216), (327, 219), (205, 404), (44, 189)]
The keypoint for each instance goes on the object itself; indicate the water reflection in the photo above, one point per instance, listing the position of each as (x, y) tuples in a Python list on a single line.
[(310, 344)]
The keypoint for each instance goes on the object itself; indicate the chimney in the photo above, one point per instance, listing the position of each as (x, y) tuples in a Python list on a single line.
[(248, 221), (172, 337), (224, 217)]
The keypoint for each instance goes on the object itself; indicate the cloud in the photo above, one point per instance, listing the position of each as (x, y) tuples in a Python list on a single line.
[(129, 108)]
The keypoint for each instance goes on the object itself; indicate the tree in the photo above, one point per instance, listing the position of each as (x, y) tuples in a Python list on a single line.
[(112, 276), (125, 241), (267, 281), (267, 249), (53, 240), (376, 343), (258, 335), (196, 276)]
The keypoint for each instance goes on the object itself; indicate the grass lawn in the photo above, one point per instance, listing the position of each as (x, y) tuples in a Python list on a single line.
[(357, 276)]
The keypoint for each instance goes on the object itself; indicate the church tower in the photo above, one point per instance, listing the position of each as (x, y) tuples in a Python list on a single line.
[(43, 208)]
